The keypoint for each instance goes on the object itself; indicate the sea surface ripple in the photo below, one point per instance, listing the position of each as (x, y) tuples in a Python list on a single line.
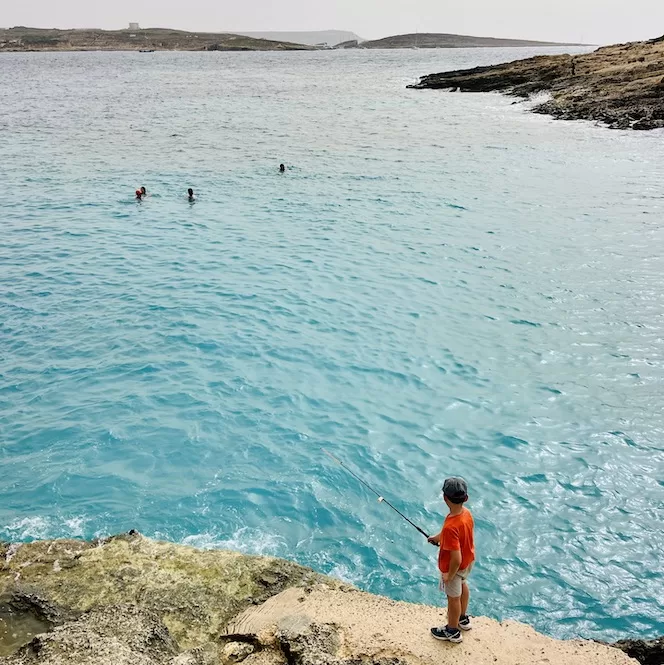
[(440, 284)]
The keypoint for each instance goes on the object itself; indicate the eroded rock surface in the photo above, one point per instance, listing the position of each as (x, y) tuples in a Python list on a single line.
[(621, 86), (121, 635), (193, 592), (131, 601)]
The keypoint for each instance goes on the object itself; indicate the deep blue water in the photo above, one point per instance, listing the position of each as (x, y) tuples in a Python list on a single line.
[(440, 284)]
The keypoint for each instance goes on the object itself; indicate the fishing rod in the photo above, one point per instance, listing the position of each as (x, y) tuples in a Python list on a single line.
[(381, 499)]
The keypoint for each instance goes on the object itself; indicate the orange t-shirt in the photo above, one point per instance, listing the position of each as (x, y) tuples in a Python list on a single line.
[(457, 535)]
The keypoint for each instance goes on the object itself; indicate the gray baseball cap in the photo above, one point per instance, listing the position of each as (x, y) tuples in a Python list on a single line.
[(456, 490)]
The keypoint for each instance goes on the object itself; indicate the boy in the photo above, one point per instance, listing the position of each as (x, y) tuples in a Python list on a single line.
[(455, 560)]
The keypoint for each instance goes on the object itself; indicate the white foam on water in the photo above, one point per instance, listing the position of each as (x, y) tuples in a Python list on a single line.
[(43, 528), (28, 527), (536, 99), (345, 574), (76, 525), (352, 573), (245, 540)]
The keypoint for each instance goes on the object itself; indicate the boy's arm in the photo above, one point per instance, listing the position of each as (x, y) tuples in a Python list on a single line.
[(455, 562), (435, 540), (452, 544)]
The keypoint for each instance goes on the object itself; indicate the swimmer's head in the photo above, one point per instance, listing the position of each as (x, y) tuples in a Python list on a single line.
[(139, 194), (190, 191), (143, 191), (282, 168)]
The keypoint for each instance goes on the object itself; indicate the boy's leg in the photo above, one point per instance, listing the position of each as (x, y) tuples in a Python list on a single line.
[(453, 612), (465, 597), (451, 632)]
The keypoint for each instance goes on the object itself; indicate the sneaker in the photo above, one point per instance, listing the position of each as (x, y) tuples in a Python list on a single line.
[(464, 622), (447, 634)]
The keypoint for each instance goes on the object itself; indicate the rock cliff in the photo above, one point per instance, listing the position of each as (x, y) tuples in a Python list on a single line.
[(621, 86), (128, 600)]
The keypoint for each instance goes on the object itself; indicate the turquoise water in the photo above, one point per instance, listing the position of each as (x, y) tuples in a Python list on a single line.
[(440, 284)]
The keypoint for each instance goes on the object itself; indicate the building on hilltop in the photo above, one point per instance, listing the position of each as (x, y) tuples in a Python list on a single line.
[(134, 26)]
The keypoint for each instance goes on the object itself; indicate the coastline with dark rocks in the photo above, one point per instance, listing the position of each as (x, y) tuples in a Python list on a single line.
[(620, 86), (129, 600)]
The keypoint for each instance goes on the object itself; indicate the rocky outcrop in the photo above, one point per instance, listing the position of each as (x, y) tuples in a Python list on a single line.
[(194, 593), (621, 86), (128, 600), (647, 652), (122, 635)]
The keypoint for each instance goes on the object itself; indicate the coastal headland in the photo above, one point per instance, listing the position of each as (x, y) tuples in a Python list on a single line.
[(621, 86), (133, 601), (150, 39)]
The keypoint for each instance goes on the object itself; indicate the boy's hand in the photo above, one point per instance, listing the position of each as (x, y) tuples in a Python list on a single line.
[(434, 540), (446, 577)]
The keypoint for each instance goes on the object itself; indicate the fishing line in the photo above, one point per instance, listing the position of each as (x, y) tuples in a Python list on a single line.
[(381, 499)]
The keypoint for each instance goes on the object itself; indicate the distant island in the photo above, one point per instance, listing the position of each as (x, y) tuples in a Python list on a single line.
[(149, 39), (319, 38), (442, 40), (621, 86), (21, 38)]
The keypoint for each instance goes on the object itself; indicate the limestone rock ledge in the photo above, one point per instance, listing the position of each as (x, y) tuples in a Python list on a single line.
[(128, 600), (621, 86)]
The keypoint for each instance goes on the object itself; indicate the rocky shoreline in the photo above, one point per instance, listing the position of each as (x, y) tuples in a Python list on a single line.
[(128, 600), (621, 86)]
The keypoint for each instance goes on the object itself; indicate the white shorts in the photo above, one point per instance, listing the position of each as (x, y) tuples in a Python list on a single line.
[(453, 587)]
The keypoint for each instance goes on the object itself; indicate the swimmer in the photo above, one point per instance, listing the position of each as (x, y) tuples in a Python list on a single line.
[(144, 191), (190, 193), (139, 195), (282, 168)]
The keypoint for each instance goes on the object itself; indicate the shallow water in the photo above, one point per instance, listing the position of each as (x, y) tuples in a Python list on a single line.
[(17, 630), (440, 284)]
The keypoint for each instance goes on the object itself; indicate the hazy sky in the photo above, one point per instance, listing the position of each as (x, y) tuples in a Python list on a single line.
[(591, 21)]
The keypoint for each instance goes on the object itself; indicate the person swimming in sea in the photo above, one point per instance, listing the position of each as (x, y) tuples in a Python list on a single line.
[(190, 194), (139, 194), (144, 191), (282, 168)]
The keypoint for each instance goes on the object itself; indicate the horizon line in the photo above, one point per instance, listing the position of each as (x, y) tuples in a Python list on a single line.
[(361, 39)]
